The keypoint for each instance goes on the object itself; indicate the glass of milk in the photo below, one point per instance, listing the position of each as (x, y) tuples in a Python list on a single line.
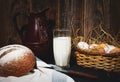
[(62, 47)]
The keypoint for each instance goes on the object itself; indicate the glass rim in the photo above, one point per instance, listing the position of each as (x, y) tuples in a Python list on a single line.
[(61, 30)]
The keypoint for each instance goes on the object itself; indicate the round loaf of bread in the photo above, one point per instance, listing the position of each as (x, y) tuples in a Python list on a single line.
[(16, 60)]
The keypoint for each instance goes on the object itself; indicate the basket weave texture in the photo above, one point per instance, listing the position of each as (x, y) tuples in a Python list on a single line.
[(109, 63)]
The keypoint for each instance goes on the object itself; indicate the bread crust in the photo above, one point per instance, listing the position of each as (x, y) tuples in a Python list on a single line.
[(18, 67)]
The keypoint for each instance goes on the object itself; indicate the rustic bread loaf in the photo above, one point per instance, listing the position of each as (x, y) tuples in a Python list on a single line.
[(16, 60)]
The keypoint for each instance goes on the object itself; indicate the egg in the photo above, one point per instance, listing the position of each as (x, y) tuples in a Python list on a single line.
[(83, 45), (108, 48), (92, 45)]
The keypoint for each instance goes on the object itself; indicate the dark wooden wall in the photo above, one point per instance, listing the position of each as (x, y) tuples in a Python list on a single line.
[(115, 16), (106, 10), (8, 10)]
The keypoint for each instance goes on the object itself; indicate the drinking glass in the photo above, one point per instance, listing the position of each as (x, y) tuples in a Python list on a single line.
[(62, 47)]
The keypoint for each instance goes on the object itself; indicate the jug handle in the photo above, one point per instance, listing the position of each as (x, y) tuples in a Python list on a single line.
[(20, 31)]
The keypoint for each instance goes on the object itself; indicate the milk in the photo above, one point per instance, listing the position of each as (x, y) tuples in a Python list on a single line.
[(62, 50)]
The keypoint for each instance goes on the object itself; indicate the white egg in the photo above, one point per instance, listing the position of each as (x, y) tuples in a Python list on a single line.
[(83, 45), (92, 45), (108, 48)]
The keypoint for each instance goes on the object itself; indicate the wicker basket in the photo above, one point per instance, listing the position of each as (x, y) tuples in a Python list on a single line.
[(109, 63)]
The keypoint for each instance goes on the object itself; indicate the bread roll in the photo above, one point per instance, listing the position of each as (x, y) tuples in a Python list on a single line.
[(16, 60)]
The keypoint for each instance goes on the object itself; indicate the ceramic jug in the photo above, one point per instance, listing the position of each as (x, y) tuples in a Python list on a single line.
[(35, 34)]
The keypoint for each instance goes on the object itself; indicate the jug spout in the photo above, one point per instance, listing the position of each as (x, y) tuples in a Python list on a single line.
[(41, 14), (44, 11)]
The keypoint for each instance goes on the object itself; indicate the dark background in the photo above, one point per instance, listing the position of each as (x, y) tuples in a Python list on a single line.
[(86, 15), (107, 11)]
